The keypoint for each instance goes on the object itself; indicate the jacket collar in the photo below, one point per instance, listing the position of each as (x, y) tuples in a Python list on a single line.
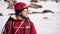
[(16, 17)]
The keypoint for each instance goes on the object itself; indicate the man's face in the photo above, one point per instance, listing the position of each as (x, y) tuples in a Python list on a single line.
[(25, 13)]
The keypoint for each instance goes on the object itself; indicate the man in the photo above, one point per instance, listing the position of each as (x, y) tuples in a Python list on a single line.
[(20, 23)]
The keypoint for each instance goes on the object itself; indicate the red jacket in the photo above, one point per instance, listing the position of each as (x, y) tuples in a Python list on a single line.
[(13, 27)]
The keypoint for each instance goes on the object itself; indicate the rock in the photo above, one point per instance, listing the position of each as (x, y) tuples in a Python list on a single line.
[(45, 17), (34, 1), (11, 3), (43, 0), (35, 6), (47, 11), (36, 12), (1, 14)]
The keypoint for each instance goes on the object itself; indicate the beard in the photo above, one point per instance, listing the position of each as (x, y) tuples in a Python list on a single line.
[(24, 17)]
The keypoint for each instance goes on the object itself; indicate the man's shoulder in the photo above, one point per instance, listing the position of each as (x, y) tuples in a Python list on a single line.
[(10, 19)]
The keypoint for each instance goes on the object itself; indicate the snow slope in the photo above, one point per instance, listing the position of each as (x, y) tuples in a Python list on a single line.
[(43, 26)]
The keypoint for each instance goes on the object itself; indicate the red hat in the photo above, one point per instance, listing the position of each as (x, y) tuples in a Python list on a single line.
[(20, 6)]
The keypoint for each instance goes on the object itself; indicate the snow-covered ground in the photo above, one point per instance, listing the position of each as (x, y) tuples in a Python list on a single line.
[(43, 26)]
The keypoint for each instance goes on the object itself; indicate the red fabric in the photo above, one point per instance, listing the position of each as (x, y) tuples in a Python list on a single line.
[(21, 30), (20, 6)]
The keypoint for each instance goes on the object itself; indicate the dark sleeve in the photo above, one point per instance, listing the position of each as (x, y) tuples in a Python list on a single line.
[(8, 29), (33, 30)]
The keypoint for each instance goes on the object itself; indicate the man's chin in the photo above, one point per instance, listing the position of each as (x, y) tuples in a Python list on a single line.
[(26, 17)]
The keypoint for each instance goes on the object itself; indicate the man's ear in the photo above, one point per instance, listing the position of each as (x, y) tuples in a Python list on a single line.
[(19, 13)]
